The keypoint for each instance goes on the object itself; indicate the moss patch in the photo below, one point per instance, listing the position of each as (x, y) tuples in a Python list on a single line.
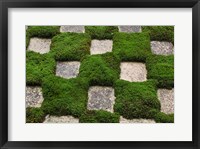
[(38, 66), (100, 69), (41, 32), (131, 46), (64, 96), (99, 117), (70, 46), (161, 68), (136, 99), (160, 33), (101, 32), (34, 115), (164, 118)]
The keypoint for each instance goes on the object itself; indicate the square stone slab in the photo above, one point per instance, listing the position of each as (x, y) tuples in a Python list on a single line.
[(166, 98), (162, 48), (34, 96), (101, 98), (130, 29), (133, 71), (75, 29), (123, 120), (67, 69), (60, 119), (39, 45), (101, 46)]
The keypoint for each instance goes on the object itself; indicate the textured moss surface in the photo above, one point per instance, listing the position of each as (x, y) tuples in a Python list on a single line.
[(70, 46), (101, 32), (64, 96), (99, 117), (100, 69), (136, 99), (161, 68), (160, 33), (131, 46), (41, 32), (38, 66)]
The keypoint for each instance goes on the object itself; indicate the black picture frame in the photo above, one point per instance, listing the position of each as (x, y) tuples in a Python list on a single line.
[(5, 4)]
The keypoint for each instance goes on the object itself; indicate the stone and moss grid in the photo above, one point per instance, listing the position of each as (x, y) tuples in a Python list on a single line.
[(73, 65)]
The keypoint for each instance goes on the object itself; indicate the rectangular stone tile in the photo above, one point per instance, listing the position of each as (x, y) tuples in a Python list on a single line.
[(39, 45), (34, 97), (61, 119), (67, 69), (166, 98), (162, 48), (133, 71), (74, 28), (101, 98), (101, 46), (130, 29)]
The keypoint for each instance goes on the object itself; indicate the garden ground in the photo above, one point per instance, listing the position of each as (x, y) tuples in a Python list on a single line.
[(99, 74)]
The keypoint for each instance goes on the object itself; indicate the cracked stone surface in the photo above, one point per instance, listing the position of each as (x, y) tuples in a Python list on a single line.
[(67, 69), (133, 71), (74, 28), (101, 98), (162, 48), (34, 97), (101, 46), (39, 45), (60, 119), (123, 120), (130, 29), (166, 98)]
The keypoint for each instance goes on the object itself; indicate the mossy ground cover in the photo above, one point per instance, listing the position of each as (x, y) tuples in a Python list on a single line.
[(101, 32), (70, 46), (41, 32), (161, 68), (70, 96), (38, 66), (132, 46), (160, 33)]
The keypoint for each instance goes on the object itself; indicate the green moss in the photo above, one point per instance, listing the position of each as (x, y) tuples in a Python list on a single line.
[(161, 68), (132, 46), (164, 118), (34, 115), (64, 96), (160, 33), (41, 32), (99, 117), (101, 32), (70, 46), (100, 69), (38, 66), (136, 99)]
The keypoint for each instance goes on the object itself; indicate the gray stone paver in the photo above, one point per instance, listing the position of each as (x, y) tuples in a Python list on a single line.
[(166, 98), (34, 97), (123, 120), (39, 45), (101, 98), (162, 48), (74, 28), (60, 119), (130, 29), (101, 46), (67, 69), (133, 71)]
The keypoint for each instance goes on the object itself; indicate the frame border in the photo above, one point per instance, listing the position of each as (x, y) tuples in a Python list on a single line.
[(5, 4)]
